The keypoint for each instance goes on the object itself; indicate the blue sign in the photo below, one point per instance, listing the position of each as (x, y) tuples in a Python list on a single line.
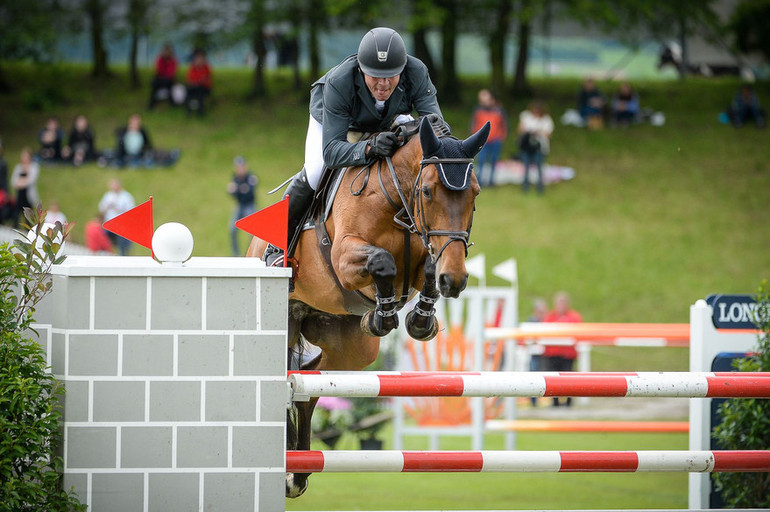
[(733, 311)]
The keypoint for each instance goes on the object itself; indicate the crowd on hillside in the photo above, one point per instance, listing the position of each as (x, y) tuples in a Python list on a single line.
[(594, 111)]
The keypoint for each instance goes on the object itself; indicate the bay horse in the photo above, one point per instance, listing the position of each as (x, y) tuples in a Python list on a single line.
[(395, 224)]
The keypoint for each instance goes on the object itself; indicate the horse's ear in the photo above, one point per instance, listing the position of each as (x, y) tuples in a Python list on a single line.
[(428, 140), (473, 144)]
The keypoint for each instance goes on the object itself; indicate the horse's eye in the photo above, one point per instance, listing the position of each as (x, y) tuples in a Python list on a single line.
[(426, 192)]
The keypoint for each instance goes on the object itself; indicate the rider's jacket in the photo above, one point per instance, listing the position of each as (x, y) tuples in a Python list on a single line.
[(342, 103)]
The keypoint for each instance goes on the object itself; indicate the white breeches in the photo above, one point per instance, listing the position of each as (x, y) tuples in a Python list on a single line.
[(314, 154)]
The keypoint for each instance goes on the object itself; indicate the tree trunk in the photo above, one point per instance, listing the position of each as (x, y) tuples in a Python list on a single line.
[(296, 29), (520, 83), (95, 11), (5, 85), (258, 89), (132, 67), (420, 15), (685, 65), (497, 45), (449, 89), (315, 17)]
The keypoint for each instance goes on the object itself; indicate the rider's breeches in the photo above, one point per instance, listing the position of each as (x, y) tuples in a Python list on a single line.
[(314, 154)]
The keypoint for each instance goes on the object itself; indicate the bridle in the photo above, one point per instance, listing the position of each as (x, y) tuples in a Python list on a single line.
[(414, 208)]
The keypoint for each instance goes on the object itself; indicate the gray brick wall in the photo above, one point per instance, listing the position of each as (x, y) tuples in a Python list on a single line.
[(175, 382)]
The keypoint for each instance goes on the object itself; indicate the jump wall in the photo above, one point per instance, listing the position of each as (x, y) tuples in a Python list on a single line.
[(175, 382)]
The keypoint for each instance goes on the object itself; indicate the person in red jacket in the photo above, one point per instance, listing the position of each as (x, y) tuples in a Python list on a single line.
[(198, 82), (489, 109), (165, 76), (561, 358)]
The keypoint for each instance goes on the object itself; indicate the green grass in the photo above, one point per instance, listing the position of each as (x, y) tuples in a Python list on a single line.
[(655, 219), (504, 491)]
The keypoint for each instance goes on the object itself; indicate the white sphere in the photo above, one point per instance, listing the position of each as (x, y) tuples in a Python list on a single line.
[(172, 243)]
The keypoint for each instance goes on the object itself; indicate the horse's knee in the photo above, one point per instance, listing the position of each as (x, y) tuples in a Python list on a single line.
[(381, 265)]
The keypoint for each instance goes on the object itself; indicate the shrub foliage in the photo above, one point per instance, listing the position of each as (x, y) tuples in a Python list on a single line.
[(30, 469)]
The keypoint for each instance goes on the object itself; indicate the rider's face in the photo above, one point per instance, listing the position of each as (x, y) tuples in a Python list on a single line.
[(381, 88)]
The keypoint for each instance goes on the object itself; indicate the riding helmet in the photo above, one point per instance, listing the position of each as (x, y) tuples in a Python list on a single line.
[(382, 53)]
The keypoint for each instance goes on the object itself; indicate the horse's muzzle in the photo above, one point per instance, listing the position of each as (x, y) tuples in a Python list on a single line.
[(450, 286)]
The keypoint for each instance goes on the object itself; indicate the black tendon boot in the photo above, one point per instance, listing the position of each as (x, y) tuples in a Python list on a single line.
[(300, 196)]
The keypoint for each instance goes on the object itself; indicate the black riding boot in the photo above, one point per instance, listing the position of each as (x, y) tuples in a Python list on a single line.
[(300, 196)]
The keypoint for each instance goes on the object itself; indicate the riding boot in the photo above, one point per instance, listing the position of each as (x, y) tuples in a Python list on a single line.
[(300, 196)]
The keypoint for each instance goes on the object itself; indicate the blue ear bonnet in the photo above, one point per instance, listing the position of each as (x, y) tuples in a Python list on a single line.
[(454, 175)]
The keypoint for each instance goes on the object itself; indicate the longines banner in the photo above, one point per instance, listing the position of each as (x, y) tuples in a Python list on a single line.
[(733, 311)]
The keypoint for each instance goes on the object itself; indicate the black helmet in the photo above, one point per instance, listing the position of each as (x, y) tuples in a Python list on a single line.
[(382, 53)]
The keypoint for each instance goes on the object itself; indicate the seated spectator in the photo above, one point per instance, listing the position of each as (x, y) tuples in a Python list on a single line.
[(50, 139), (24, 181), (745, 108), (133, 145), (80, 146), (165, 76), (116, 201), (489, 109), (625, 105), (561, 358), (6, 203), (198, 83), (535, 129), (97, 239), (54, 214), (591, 105)]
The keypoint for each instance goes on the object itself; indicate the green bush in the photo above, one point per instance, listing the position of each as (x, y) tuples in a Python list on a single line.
[(30, 469), (746, 423)]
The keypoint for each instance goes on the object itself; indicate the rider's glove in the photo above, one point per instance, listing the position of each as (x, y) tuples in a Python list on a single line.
[(383, 144)]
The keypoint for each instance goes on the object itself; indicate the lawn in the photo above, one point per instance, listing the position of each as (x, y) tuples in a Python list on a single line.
[(656, 218)]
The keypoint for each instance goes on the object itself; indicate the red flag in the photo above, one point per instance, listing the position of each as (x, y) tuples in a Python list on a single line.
[(135, 224), (271, 224)]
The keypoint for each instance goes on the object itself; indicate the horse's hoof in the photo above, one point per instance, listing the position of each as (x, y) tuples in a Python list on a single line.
[(418, 332), (295, 487), (376, 325)]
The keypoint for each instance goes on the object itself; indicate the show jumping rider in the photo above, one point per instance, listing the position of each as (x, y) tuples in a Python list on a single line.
[(368, 92)]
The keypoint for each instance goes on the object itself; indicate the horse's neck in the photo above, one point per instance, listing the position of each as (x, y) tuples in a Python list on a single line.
[(406, 164)]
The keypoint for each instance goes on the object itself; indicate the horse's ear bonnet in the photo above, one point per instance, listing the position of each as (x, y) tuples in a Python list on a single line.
[(454, 176)]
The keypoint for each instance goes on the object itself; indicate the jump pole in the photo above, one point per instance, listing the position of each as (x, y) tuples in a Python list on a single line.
[(647, 427), (340, 461), (530, 384)]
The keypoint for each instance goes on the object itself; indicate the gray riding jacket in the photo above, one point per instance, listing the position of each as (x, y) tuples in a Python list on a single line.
[(341, 102)]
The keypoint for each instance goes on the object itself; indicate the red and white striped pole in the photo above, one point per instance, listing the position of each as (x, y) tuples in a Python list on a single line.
[(527, 461), (530, 384)]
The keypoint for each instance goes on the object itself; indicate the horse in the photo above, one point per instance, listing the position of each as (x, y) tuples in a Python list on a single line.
[(408, 229)]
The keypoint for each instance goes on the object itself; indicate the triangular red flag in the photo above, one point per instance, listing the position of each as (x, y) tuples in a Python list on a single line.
[(135, 224), (271, 224)]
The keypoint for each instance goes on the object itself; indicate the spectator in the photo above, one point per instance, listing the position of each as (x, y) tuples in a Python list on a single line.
[(80, 146), (116, 201), (50, 138), (243, 188), (625, 105), (591, 105), (133, 145), (54, 214), (745, 108), (489, 109), (535, 129), (561, 358), (6, 204), (165, 76), (198, 82), (97, 239), (24, 181)]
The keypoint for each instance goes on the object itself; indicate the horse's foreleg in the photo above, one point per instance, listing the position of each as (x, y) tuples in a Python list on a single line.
[(358, 264), (421, 323)]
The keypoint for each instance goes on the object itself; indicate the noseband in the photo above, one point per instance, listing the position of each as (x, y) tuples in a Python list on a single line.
[(405, 217)]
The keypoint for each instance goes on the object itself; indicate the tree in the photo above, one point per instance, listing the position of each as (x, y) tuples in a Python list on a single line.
[(257, 20), (138, 23), (750, 25), (27, 31), (524, 15), (497, 38), (96, 11), (449, 83), (420, 23)]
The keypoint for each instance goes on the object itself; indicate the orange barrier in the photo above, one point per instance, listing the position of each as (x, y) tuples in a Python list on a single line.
[(588, 426), (597, 333)]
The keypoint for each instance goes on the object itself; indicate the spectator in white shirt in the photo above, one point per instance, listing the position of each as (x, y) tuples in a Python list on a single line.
[(116, 201), (535, 129)]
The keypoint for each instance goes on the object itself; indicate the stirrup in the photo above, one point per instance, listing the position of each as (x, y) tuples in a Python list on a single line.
[(273, 256)]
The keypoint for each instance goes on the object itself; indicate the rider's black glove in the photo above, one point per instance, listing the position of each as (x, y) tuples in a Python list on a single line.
[(383, 144)]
